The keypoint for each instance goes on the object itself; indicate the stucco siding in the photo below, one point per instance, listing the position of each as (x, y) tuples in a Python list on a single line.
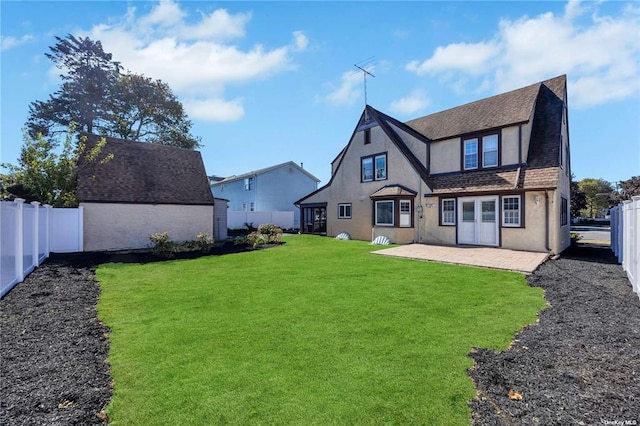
[(445, 156), (533, 236), (510, 145), (432, 232), (343, 189), (128, 226), (417, 147)]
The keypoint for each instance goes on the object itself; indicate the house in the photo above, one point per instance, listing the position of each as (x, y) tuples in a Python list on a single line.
[(272, 189), (146, 188), (495, 172)]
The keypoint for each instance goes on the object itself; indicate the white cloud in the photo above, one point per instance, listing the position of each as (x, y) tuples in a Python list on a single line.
[(473, 58), (349, 91), (599, 54), (8, 42), (300, 40), (214, 109), (416, 101), (194, 57)]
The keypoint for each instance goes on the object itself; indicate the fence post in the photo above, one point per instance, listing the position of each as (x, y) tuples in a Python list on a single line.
[(35, 250), (19, 245), (81, 228), (47, 244)]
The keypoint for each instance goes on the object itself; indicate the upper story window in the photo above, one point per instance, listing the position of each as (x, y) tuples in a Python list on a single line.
[(374, 167), (248, 184), (490, 151), (367, 136), (481, 152), (471, 154)]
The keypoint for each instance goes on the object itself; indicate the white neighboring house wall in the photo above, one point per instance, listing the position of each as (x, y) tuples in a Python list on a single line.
[(114, 226), (272, 189), (29, 232)]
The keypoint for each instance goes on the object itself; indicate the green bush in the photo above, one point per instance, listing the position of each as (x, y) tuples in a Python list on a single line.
[(161, 244), (271, 232), (256, 239), (204, 241)]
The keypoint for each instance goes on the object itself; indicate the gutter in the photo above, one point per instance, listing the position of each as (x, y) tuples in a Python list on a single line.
[(546, 219)]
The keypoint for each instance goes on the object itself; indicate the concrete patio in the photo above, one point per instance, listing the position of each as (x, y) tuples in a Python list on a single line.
[(485, 257)]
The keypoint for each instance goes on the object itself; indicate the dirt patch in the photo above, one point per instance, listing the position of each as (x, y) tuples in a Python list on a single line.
[(580, 364)]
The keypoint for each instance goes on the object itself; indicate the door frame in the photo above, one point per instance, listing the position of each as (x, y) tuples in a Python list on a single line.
[(477, 200)]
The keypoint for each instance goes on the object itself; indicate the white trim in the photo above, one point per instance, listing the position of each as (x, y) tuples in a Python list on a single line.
[(442, 211), (504, 216)]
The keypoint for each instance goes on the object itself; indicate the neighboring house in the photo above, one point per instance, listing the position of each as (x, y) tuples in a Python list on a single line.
[(495, 172), (272, 189), (146, 188)]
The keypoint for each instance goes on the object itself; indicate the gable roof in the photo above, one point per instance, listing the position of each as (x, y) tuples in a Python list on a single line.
[(145, 173), (544, 101), (542, 169), (497, 111), (262, 171)]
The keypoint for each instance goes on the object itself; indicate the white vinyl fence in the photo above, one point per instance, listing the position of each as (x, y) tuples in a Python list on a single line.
[(29, 232), (625, 239), (237, 219)]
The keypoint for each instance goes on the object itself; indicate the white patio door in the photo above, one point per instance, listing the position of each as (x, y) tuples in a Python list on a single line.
[(478, 220)]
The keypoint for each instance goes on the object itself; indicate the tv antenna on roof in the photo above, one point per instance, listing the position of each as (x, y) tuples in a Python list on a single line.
[(363, 67)]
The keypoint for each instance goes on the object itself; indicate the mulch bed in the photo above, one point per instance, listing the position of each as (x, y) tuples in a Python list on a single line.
[(580, 364)]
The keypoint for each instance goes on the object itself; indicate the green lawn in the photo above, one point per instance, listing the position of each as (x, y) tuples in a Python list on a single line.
[(316, 331)]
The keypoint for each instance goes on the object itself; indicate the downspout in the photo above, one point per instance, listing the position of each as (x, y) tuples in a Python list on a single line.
[(546, 219)]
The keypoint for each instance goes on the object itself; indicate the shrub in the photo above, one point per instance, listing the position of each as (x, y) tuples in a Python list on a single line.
[(256, 239), (204, 241), (271, 232), (161, 244), (575, 237)]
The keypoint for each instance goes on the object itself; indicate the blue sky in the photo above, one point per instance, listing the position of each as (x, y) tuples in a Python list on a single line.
[(269, 82)]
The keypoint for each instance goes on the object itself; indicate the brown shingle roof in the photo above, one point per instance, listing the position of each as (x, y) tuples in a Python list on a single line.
[(497, 111), (145, 173), (393, 191), (542, 168)]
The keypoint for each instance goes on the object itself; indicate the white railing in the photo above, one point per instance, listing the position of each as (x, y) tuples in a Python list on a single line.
[(237, 219), (28, 233), (625, 239)]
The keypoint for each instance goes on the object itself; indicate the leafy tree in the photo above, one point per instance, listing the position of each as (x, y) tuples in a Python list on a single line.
[(597, 193), (101, 100), (147, 110), (44, 175), (627, 189), (578, 198), (88, 76)]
